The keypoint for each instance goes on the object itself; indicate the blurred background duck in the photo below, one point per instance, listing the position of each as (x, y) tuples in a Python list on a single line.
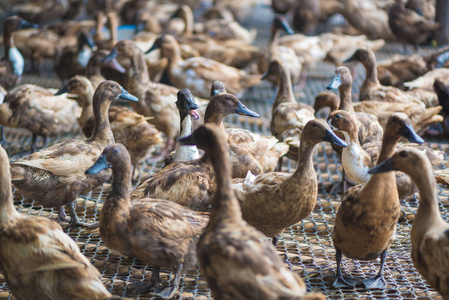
[(191, 183), (357, 158), (54, 176), (429, 235), (408, 26), (12, 64), (128, 127), (274, 201), (49, 264), (42, 11), (40, 111), (232, 266), (198, 73), (166, 234)]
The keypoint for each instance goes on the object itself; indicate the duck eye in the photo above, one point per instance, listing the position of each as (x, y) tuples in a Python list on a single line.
[(113, 86), (116, 151), (227, 98), (403, 153), (315, 125), (337, 116)]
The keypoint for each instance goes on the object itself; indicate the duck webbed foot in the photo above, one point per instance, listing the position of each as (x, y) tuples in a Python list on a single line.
[(146, 287), (344, 282), (377, 282), (169, 291), (75, 221)]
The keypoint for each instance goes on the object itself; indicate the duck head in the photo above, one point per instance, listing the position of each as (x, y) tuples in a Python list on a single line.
[(168, 45), (15, 23), (365, 56), (224, 104), (341, 120), (342, 77), (186, 104), (274, 69), (125, 49), (326, 99), (407, 161), (317, 131), (399, 125), (114, 156), (280, 23), (111, 90), (217, 88), (76, 86)]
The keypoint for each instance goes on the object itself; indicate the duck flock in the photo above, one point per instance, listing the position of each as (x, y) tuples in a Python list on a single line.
[(137, 179)]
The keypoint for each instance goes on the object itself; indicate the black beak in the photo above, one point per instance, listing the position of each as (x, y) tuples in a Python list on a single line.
[(63, 90), (331, 137), (100, 165), (410, 134), (154, 47), (385, 166), (243, 110)]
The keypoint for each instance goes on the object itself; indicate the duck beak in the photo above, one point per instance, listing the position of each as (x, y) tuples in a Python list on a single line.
[(112, 62), (331, 137), (264, 76), (89, 41), (63, 90), (335, 83), (287, 27), (385, 166), (100, 165), (409, 133), (154, 47), (244, 111), (127, 96), (25, 25), (350, 59), (187, 141), (194, 114)]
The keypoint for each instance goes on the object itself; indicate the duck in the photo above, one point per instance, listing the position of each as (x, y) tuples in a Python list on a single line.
[(12, 64), (197, 73), (192, 183), (408, 26), (157, 100), (42, 11), (158, 232), (250, 151), (404, 68), (426, 81), (37, 109), (112, 21), (369, 128), (357, 159), (293, 195), (73, 61), (96, 67), (306, 14), (429, 237), (286, 54), (236, 259), (288, 117), (49, 264), (442, 90), (187, 108), (128, 127), (365, 222), (54, 176)]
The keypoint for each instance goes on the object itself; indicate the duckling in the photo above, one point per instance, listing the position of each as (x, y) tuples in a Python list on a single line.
[(365, 223), (187, 112), (250, 151), (408, 26), (235, 258), (371, 87), (73, 61), (11, 65), (288, 117), (38, 110), (429, 235), (196, 73), (128, 127), (55, 176), (158, 232), (157, 100), (274, 201), (38, 259), (192, 183), (357, 158)]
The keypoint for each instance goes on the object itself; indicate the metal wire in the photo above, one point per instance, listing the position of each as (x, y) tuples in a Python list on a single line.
[(305, 247)]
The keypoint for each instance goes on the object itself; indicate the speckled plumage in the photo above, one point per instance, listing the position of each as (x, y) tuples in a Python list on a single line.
[(430, 233), (274, 201), (38, 260), (55, 176), (158, 232)]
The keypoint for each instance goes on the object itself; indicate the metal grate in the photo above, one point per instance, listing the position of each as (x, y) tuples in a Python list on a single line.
[(306, 247)]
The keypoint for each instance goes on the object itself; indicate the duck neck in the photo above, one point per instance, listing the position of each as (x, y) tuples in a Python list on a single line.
[(188, 22), (137, 76), (346, 98), (371, 72), (305, 159), (102, 132), (225, 206), (121, 183), (113, 27), (389, 142), (285, 91), (8, 42), (428, 209), (185, 152), (173, 54), (215, 118), (7, 209)]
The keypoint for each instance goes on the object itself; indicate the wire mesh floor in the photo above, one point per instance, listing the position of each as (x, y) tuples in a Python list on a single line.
[(306, 247)]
